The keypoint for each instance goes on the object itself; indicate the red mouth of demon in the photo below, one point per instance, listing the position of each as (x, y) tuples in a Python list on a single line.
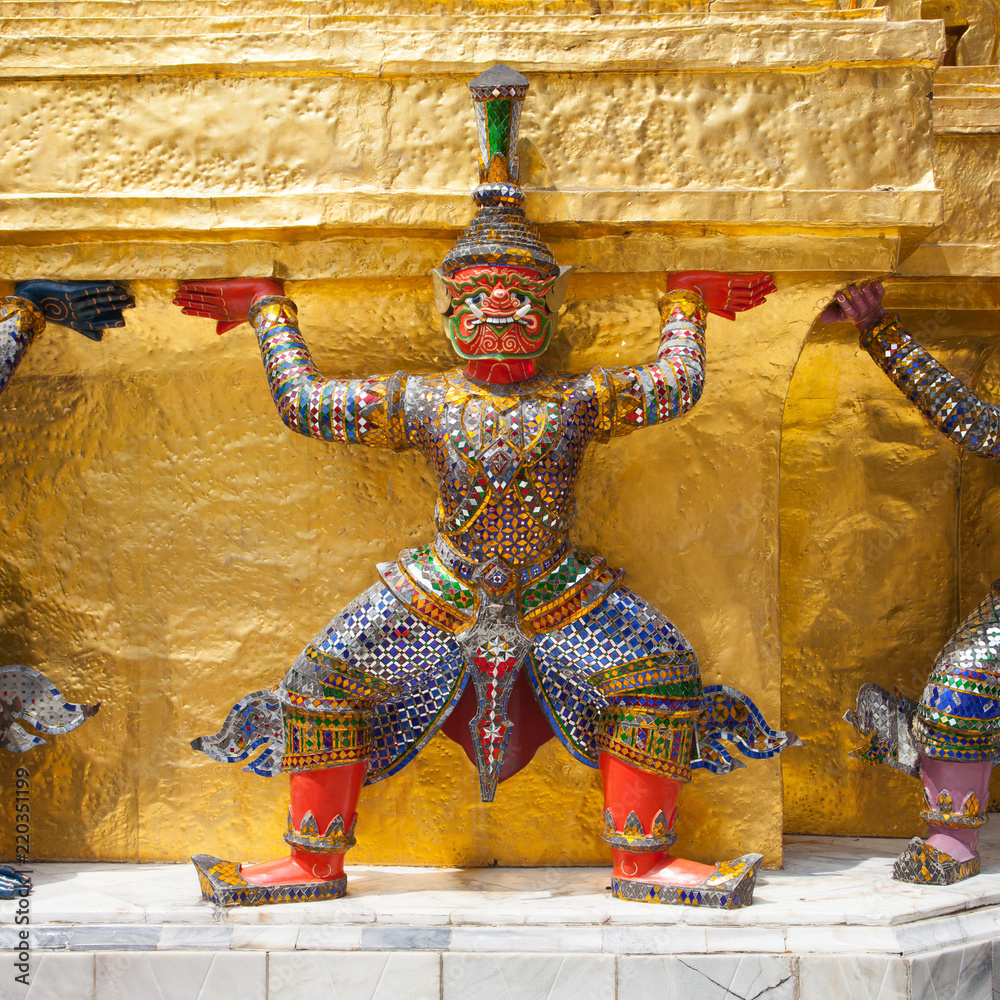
[(509, 333), (496, 317)]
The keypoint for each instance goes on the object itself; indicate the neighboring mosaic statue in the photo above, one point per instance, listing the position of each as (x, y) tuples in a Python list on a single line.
[(951, 738), (498, 632), (26, 695)]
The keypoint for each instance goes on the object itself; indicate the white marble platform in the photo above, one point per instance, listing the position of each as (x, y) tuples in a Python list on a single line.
[(831, 926)]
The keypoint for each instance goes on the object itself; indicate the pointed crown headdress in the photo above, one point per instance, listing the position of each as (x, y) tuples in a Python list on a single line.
[(500, 233)]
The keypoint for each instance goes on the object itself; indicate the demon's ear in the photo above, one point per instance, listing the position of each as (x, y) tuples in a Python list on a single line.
[(442, 293), (557, 293)]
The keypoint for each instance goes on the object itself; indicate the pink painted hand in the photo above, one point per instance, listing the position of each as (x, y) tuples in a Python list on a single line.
[(227, 300), (724, 294), (857, 304)]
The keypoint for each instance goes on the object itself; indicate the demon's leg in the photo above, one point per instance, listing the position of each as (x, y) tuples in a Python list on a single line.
[(956, 793), (639, 812), (321, 815)]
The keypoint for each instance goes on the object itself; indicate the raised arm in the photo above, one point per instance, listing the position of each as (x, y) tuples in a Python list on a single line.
[(89, 307), (643, 395), (944, 399), (365, 411)]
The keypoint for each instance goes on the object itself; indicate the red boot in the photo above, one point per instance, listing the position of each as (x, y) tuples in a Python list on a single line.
[(321, 818), (639, 813)]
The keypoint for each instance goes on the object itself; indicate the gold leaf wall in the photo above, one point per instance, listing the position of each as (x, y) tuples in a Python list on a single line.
[(170, 545)]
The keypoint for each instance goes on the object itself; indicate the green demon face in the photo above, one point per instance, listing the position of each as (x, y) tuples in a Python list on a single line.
[(499, 312)]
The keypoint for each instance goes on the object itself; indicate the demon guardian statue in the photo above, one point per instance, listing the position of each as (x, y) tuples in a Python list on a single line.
[(498, 631)]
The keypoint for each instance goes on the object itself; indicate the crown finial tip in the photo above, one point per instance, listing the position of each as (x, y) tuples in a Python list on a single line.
[(499, 75)]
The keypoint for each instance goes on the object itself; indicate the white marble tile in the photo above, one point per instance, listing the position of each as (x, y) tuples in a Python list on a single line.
[(505, 916), (996, 968), (425, 916), (353, 976), (200, 937), (955, 974), (554, 940), (852, 977), (181, 975), (50, 977), (803, 939), (326, 938), (264, 937), (948, 932), (528, 977), (706, 977), (405, 938), (769, 940), (114, 937), (677, 939)]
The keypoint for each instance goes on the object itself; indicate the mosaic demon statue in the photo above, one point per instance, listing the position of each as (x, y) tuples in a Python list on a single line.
[(25, 694), (498, 632), (951, 738)]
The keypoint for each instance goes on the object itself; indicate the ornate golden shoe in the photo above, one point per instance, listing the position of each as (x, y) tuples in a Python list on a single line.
[(923, 864), (222, 884), (730, 886)]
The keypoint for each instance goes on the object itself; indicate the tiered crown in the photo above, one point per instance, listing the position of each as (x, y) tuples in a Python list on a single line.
[(500, 233)]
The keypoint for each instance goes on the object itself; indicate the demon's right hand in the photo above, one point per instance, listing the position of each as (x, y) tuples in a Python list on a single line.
[(227, 300)]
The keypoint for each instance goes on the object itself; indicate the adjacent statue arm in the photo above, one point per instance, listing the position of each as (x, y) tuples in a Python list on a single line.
[(643, 395), (20, 321), (944, 399), (365, 411), (89, 307)]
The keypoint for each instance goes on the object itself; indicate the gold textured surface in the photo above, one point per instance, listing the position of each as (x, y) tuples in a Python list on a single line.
[(221, 138), (175, 546), (171, 546)]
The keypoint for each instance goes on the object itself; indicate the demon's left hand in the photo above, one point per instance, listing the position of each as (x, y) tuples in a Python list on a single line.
[(89, 307), (725, 294)]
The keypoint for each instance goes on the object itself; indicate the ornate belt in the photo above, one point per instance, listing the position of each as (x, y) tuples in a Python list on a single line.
[(456, 563)]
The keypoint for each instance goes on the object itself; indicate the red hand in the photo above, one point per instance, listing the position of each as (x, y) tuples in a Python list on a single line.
[(725, 294), (857, 304), (227, 300)]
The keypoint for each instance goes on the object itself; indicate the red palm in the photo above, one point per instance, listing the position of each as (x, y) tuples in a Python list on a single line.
[(725, 294), (227, 300)]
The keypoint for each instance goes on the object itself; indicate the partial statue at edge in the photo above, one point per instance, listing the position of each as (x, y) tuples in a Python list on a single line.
[(952, 736), (26, 695), (498, 632)]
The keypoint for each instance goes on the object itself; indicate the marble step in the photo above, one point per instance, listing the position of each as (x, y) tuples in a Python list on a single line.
[(831, 925)]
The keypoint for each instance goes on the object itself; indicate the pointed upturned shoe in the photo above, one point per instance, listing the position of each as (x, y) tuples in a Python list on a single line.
[(729, 887), (222, 884), (922, 864)]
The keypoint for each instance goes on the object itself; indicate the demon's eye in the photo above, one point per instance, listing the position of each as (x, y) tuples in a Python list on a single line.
[(477, 299)]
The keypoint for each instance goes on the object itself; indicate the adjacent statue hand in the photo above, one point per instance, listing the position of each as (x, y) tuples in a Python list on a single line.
[(725, 294), (858, 304), (89, 307), (227, 301)]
